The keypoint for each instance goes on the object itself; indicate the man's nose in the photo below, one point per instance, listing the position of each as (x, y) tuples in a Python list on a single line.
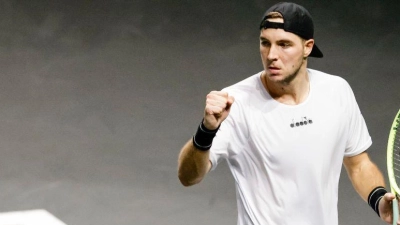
[(272, 53)]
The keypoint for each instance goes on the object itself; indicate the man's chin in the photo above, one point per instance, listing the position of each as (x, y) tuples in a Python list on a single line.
[(276, 78)]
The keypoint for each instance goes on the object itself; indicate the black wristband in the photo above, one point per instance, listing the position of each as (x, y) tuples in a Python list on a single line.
[(203, 138), (375, 196)]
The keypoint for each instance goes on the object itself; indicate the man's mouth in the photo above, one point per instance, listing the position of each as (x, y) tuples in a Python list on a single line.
[(273, 69)]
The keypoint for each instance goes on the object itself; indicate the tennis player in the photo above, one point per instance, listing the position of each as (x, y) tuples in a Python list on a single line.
[(285, 133)]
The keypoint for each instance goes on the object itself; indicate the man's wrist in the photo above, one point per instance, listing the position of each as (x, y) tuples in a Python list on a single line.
[(375, 196), (203, 138)]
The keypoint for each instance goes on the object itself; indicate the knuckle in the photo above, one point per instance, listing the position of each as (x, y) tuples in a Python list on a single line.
[(213, 93)]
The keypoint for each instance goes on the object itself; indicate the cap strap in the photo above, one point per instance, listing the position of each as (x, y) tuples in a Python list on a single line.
[(267, 24)]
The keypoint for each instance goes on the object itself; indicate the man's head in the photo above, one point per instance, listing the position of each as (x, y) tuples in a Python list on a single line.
[(296, 19), (286, 40)]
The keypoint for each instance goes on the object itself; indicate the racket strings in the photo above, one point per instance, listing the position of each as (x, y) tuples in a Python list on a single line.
[(396, 156)]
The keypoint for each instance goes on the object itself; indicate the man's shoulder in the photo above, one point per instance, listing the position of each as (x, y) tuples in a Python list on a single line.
[(244, 87), (323, 77), (329, 85)]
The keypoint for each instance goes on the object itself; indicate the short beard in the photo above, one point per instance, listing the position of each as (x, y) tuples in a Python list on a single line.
[(291, 77)]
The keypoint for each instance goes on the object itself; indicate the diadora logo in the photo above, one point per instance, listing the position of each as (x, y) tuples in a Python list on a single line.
[(302, 122)]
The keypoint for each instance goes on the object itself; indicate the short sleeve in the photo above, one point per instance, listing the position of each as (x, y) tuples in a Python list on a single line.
[(359, 139)]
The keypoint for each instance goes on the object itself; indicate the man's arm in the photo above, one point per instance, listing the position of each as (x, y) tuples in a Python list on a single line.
[(364, 174), (193, 164)]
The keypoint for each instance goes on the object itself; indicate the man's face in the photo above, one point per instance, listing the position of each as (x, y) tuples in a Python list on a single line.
[(282, 53)]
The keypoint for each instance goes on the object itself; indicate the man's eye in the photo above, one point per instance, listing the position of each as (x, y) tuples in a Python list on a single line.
[(265, 43), (285, 44)]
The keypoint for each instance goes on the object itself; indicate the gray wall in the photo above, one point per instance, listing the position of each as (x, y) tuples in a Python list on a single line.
[(99, 96)]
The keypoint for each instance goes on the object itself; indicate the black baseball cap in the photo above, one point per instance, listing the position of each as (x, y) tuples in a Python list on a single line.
[(296, 19)]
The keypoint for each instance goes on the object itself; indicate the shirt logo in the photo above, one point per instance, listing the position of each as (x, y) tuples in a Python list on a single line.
[(302, 122)]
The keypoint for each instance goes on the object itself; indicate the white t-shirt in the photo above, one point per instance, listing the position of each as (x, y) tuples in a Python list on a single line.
[(286, 159)]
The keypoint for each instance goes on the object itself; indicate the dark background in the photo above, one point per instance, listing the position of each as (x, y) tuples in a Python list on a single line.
[(98, 97)]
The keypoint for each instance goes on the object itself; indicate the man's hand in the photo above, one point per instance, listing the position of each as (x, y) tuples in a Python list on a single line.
[(217, 108), (385, 208)]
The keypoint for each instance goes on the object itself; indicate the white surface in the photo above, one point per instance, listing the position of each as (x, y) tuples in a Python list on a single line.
[(29, 217)]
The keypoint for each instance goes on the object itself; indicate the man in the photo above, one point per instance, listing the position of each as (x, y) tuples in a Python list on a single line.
[(285, 133)]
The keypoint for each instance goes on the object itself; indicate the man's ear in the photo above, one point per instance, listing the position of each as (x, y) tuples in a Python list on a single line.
[(308, 45)]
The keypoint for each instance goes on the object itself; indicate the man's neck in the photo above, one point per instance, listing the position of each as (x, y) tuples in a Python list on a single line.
[(292, 93)]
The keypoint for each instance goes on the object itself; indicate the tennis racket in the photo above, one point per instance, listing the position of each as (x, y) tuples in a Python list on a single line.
[(393, 163)]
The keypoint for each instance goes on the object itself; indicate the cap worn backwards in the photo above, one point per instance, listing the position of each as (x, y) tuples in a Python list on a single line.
[(296, 19)]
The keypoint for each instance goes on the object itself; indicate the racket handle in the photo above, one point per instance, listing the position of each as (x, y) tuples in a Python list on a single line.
[(395, 211)]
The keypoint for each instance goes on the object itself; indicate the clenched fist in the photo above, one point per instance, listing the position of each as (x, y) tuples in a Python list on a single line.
[(218, 104)]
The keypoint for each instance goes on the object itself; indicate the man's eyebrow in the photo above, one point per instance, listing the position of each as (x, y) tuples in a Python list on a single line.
[(281, 40), (285, 40)]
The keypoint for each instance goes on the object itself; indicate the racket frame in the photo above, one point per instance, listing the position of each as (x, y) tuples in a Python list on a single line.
[(392, 180)]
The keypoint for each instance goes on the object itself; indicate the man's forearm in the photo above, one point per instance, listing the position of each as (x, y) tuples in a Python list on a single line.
[(365, 176), (193, 164)]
